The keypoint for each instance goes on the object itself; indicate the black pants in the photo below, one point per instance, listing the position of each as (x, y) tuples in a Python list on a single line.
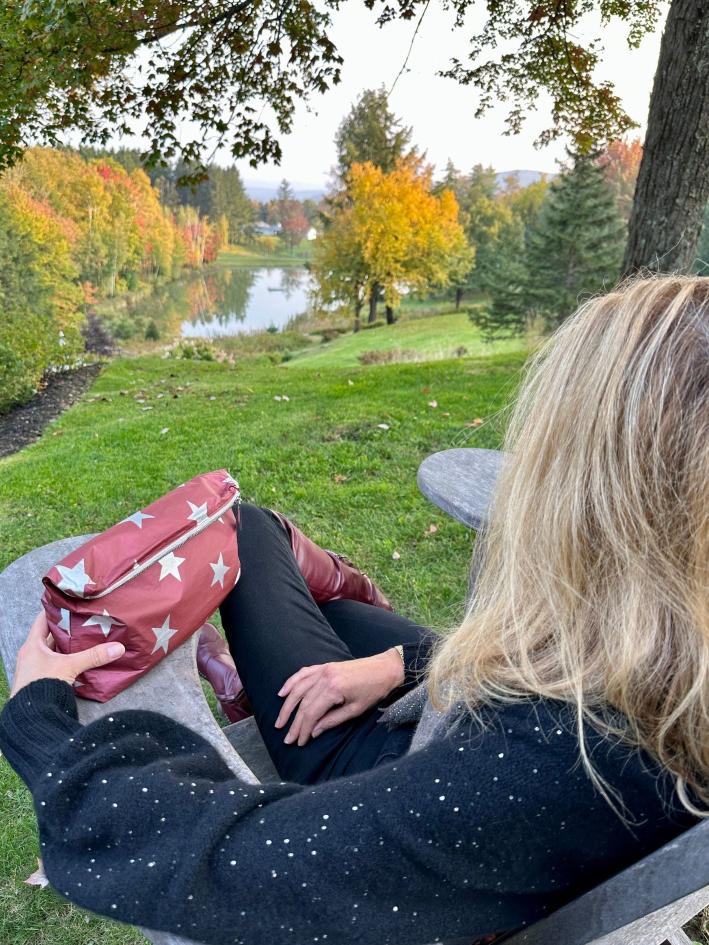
[(274, 628)]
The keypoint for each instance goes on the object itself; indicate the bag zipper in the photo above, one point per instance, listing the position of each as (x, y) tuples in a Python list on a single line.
[(199, 527)]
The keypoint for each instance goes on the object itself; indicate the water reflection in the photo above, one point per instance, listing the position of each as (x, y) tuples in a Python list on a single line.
[(229, 301), (224, 301)]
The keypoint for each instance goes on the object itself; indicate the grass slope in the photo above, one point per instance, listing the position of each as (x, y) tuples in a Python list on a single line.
[(236, 256), (431, 338), (108, 456)]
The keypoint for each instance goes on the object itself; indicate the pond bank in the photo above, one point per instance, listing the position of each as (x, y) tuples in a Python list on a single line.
[(25, 423)]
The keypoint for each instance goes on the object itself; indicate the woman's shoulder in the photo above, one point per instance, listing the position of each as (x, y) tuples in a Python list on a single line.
[(534, 745)]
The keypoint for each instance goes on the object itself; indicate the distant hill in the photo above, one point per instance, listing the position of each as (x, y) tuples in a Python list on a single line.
[(263, 191), (525, 178)]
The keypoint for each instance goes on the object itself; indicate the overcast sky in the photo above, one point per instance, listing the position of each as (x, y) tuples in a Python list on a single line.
[(440, 110)]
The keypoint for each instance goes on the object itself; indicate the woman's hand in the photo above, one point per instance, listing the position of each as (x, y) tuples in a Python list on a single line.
[(331, 693), (37, 658)]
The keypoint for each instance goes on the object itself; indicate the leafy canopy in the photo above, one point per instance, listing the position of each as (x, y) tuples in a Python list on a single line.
[(211, 67), (228, 74)]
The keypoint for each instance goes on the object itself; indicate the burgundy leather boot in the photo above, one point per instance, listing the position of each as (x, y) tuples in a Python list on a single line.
[(330, 576), (216, 665)]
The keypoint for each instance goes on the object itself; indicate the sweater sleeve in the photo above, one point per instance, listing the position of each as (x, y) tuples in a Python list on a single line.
[(416, 657), (142, 821)]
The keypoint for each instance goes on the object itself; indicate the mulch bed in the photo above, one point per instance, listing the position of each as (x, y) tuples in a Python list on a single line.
[(24, 424)]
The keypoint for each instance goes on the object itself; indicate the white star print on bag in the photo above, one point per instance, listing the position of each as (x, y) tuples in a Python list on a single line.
[(150, 581)]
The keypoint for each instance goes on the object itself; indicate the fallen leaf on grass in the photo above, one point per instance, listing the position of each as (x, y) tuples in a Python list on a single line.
[(432, 529), (351, 383), (338, 477), (478, 421), (433, 403), (395, 555), (383, 426), (164, 430), (37, 878), (58, 433), (445, 413)]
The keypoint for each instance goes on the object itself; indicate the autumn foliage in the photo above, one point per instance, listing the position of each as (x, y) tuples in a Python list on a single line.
[(71, 232), (389, 234)]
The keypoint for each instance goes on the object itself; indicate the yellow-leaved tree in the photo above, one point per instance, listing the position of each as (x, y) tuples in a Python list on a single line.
[(388, 236)]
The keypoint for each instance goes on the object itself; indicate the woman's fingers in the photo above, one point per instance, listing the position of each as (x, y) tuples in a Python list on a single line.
[(293, 680), (95, 656), (39, 629), (296, 693), (311, 710), (336, 717)]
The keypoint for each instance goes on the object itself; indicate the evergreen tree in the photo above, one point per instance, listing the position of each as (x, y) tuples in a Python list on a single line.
[(371, 132), (506, 284), (485, 217), (463, 273), (228, 199), (576, 247)]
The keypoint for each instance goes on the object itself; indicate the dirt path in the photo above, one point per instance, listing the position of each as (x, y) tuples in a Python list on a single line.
[(24, 424)]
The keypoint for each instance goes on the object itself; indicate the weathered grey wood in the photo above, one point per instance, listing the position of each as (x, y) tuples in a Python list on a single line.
[(246, 739), (172, 687), (462, 482), (678, 938)]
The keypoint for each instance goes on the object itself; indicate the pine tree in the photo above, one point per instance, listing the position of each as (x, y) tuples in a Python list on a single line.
[(576, 247), (506, 285), (372, 132)]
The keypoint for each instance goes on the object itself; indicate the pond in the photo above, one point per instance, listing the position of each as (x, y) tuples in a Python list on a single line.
[(239, 300), (220, 301)]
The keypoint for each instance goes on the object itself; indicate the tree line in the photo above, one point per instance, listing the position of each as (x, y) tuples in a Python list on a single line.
[(391, 229), (199, 76), (74, 230)]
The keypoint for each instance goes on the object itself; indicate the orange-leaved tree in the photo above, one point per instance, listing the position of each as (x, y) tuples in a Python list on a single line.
[(389, 236)]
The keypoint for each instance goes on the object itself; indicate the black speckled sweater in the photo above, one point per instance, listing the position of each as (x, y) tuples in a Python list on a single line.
[(478, 832)]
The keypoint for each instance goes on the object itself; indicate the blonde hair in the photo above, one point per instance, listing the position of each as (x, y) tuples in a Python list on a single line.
[(594, 571)]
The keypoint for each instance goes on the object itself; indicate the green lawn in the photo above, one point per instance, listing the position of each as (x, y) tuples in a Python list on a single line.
[(435, 337), (107, 456), (240, 256)]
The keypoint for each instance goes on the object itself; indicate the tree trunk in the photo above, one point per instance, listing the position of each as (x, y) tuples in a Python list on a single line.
[(390, 315), (458, 297), (357, 322), (673, 182), (373, 301)]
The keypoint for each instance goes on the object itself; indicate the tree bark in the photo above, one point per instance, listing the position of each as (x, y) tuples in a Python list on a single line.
[(357, 322), (390, 315), (373, 301), (672, 189), (458, 297)]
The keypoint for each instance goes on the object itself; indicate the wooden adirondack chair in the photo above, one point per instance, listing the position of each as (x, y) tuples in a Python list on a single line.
[(644, 905)]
